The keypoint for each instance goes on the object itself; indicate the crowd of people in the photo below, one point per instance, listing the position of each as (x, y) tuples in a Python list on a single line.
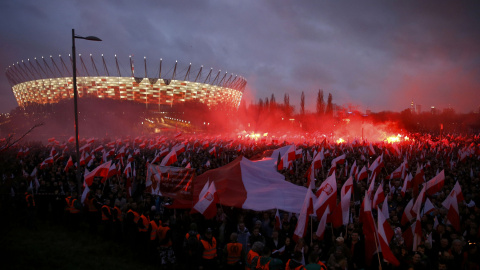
[(121, 209)]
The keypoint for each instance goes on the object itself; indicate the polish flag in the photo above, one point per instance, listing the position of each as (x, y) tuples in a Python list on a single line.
[(428, 207), (213, 152), (46, 162), (207, 200), (327, 195), (458, 191), (339, 160), (278, 222), (112, 171), (407, 184), (397, 173), (179, 149), (371, 151), (69, 164), (418, 180), (311, 176), (379, 196), (98, 149), (100, 171), (376, 165), (288, 157), (353, 169), (436, 183), (307, 210), (419, 201), (322, 225), (71, 139), (385, 234), (53, 152), (177, 135), (318, 159), (417, 232), (453, 215), (369, 229), (408, 214), (169, 159), (363, 174), (128, 170), (341, 214)]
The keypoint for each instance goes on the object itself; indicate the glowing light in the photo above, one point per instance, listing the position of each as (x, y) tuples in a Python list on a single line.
[(339, 141)]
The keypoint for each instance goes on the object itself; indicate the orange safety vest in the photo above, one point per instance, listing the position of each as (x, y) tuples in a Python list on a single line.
[(162, 233), (90, 205), (209, 251), (153, 232), (27, 198), (105, 217), (73, 210), (188, 236), (262, 267), (118, 216), (68, 207), (287, 266), (251, 254), (322, 265), (145, 224), (234, 251), (136, 216)]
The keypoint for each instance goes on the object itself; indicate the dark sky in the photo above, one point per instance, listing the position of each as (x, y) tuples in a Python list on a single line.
[(379, 55)]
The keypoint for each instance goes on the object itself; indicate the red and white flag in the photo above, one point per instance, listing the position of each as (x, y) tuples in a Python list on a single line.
[(436, 183), (385, 234), (327, 195), (207, 200), (69, 164), (379, 196), (169, 159), (100, 171), (408, 214), (371, 151), (48, 161), (453, 214), (458, 191), (307, 210), (288, 157), (369, 229), (363, 174), (407, 184), (318, 159), (278, 221), (322, 225), (341, 213)]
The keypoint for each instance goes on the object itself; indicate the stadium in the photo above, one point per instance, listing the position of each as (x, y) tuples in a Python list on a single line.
[(48, 81)]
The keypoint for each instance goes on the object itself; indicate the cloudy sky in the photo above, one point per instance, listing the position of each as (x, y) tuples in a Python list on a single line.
[(377, 55)]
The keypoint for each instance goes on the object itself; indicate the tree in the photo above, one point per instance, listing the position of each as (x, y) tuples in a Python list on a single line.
[(286, 103), (329, 110), (302, 103), (320, 103), (273, 103)]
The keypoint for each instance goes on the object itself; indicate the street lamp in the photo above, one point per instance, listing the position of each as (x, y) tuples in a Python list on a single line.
[(75, 96)]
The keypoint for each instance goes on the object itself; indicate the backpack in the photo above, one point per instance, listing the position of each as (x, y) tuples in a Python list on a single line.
[(192, 244)]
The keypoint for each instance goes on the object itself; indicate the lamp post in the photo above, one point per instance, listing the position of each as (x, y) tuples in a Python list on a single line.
[(75, 97)]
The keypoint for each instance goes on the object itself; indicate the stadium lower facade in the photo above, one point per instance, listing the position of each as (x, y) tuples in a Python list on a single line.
[(38, 82)]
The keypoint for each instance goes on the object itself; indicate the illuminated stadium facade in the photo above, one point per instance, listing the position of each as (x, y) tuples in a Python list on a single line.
[(39, 82)]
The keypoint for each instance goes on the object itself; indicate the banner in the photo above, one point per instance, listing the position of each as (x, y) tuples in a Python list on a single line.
[(173, 182)]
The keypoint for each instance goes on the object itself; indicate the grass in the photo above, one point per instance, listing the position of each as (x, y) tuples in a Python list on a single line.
[(55, 247)]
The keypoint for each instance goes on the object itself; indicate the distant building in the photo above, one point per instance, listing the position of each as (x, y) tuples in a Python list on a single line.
[(55, 83), (418, 108)]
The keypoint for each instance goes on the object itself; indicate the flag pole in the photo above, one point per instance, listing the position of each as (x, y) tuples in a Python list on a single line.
[(311, 231), (378, 253)]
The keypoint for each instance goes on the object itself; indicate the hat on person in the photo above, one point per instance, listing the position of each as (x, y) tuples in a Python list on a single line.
[(208, 231)]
